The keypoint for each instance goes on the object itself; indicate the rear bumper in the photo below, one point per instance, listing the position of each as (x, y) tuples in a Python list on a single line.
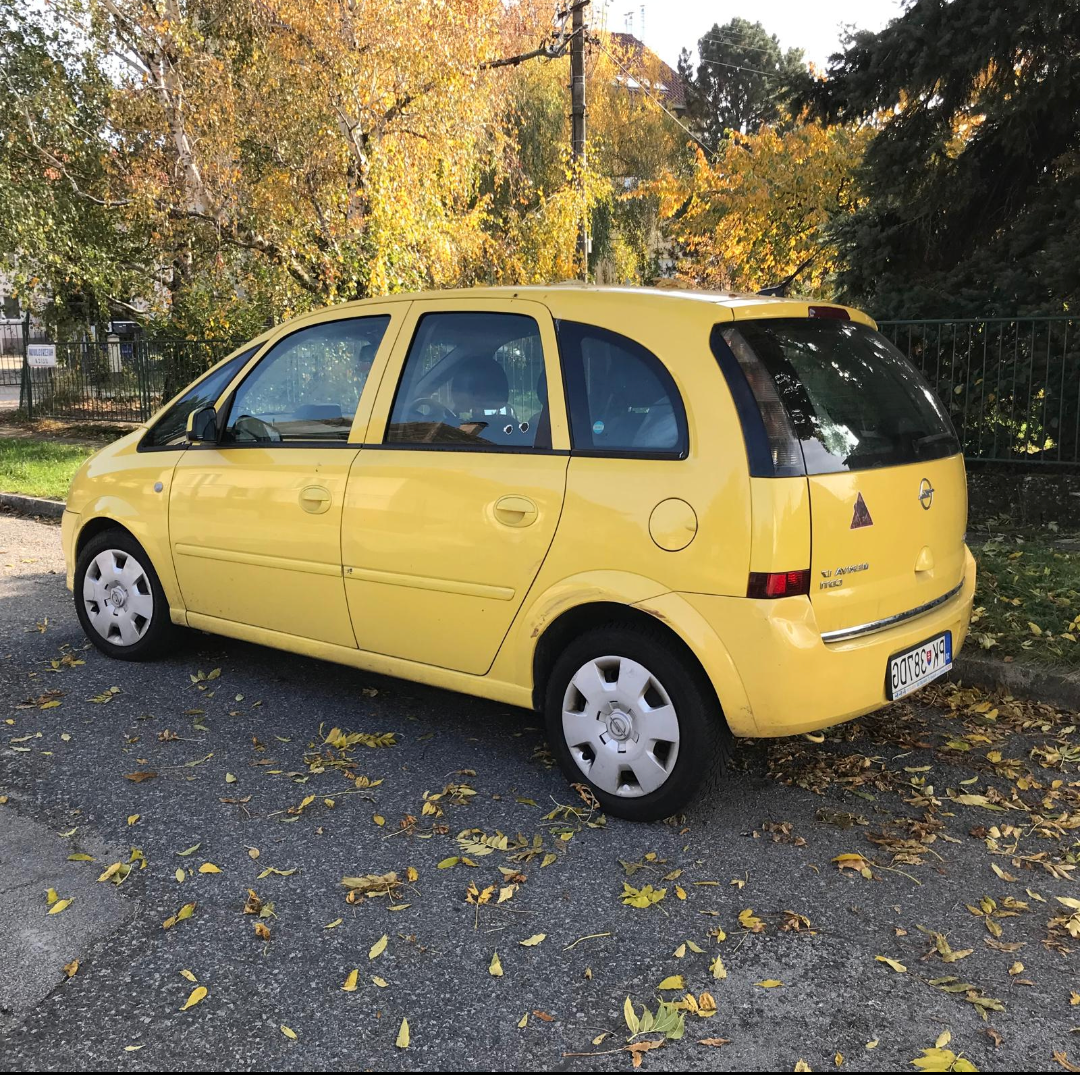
[(796, 682), (69, 525)]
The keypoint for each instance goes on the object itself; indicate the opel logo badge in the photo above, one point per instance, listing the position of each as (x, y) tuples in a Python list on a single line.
[(926, 494)]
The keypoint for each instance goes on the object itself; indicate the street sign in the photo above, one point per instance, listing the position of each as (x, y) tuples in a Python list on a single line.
[(40, 355)]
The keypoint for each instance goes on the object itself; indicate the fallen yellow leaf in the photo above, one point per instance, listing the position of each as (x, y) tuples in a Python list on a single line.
[(898, 967), (197, 994)]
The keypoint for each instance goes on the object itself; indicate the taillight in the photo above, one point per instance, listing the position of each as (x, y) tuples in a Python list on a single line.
[(833, 313), (784, 447), (778, 583)]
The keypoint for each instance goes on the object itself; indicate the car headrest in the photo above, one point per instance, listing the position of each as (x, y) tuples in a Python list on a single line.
[(479, 383)]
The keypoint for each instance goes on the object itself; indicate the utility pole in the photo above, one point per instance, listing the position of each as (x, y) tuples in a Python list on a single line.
[(577, 116)]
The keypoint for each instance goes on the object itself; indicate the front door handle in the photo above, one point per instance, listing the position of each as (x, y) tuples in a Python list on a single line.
[(315, 499), (515, 511)]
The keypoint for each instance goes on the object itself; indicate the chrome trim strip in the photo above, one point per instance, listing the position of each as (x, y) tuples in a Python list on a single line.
[(889, 621)]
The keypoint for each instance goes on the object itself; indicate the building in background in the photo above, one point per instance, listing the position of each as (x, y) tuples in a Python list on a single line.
[(649, 73)]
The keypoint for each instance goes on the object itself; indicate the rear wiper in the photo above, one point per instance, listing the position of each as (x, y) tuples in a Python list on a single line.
[(920, 441)]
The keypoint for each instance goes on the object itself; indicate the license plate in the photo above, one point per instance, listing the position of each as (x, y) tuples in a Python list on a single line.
[(914, 668)]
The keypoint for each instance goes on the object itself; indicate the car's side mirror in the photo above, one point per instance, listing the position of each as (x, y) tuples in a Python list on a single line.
[(202, 426)]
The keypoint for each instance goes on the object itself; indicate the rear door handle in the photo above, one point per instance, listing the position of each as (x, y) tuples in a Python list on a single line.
[(515, 510), (315, 499)]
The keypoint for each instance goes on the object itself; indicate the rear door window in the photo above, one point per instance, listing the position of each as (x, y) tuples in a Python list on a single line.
[(473, 380), (854, 400), (622, 399)]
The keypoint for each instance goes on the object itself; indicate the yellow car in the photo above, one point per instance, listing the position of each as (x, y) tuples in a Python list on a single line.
[(663, 519)]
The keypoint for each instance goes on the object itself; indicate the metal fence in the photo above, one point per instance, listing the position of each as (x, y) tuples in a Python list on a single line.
[(110, 380), (1011, 385), (12, 347)]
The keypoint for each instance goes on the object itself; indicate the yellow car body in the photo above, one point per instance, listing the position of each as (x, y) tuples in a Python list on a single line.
[(470, 570)]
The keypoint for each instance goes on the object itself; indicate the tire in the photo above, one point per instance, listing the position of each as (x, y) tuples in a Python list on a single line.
[(650, 736), (119, 600)]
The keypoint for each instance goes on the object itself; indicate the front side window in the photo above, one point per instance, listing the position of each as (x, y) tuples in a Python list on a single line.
[(170, 430), (473, 380), (622, 400), (852, 399), (307, 386)]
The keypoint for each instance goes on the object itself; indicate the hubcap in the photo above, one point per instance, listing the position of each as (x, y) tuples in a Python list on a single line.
[(620, 726), (118, 598)]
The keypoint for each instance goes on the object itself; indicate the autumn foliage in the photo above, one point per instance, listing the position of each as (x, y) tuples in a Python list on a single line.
[(211, 163), (756, 213)]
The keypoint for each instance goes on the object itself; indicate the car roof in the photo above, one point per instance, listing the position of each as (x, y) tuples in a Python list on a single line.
[(740, 304)]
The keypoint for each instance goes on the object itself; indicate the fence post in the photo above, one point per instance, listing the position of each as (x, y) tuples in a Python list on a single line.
[(26, 385), (143, 352)]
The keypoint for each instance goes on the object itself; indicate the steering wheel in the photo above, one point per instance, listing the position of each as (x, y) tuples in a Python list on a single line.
[(427, 409), (247, 426)]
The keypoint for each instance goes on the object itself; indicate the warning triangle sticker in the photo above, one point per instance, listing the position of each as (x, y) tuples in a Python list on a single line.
[(861, 515)]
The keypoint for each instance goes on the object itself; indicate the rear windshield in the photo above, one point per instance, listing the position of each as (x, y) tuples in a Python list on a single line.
[(854, 400)]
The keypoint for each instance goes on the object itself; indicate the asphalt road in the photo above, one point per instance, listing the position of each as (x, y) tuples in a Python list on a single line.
[(234, 754)]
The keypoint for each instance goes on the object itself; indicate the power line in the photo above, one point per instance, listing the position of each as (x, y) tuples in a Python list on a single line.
[(737, 67), (734, 41)]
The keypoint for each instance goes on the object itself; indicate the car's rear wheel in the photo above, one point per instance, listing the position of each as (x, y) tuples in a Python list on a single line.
[(119, 599), (634, 717)]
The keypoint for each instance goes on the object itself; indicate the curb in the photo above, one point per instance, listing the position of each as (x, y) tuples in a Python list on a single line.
[(1021, 678), (32, 505)]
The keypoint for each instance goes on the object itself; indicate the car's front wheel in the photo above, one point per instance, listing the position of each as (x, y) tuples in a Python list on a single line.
[(634, 717), (118, 597)]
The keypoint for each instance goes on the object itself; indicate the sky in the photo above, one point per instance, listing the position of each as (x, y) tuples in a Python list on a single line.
[(812, 25)]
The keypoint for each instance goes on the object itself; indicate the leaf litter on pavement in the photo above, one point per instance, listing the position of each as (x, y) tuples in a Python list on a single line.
[(900, 791)]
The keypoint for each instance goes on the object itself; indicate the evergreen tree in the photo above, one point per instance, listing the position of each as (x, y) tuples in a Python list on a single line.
[(971, 188), (740, 80)]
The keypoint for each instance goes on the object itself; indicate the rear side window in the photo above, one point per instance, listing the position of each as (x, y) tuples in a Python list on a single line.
[(852, 400), (622, 400), (170, 430)]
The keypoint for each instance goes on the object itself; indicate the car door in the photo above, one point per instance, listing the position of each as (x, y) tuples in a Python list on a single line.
[(255, 519), (450, 512)]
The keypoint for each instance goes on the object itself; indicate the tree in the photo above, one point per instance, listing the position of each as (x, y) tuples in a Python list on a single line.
[(296, 152), (757, 213), (740, 80), (633, 142), (61, 250), (537, 198), (971, 188)]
